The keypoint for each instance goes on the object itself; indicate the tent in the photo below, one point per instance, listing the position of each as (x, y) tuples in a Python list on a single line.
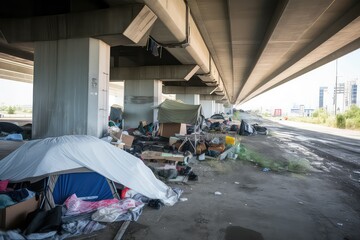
[(37, 159), (176, 112), (116, 113), (89, 186)]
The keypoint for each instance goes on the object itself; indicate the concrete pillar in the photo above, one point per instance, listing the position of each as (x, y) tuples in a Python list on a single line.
[(219, 108), (70, 87), (229, 109), (208, 107), (140, 98), (189, 98)]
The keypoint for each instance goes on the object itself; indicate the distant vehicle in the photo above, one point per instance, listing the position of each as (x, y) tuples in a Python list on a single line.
[(218, 118), (2, 115)]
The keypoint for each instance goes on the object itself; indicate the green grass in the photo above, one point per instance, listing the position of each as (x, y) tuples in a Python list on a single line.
[(350, 119), (295, 166), (298, 166)]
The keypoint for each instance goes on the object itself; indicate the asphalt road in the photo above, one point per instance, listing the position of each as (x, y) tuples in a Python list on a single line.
[(329, 150)]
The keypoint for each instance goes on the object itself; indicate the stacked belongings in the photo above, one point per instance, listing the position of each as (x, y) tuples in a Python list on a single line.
[(246, 129), (64, 164), (260, 130)]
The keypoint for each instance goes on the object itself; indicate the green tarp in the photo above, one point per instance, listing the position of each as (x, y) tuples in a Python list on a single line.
[(176, 112)]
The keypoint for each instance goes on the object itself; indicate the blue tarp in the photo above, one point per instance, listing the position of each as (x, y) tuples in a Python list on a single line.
[(88, 186)]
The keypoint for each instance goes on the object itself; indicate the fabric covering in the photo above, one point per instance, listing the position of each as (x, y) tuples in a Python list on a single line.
[(67, 153), (96, 187), (75, 206), (176, 112)]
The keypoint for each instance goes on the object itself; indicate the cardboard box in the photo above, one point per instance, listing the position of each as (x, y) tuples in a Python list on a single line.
[(126, 139), (143, 123), (170, 129), (148, 155), (14, 216)]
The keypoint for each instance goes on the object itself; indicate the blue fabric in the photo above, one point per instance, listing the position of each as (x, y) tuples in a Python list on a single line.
[(14, 137), (88, 186), (5, 201)]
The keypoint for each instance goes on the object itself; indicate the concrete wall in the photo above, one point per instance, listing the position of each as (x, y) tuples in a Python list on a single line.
[(189, 98), (140, 98)]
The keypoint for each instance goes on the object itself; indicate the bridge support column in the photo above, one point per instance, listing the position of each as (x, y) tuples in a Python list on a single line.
[(208, 107), (219, 108), (189, 98), (70, 87), (140, 98)]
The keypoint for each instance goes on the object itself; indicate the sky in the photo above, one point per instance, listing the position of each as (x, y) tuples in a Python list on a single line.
[(15, 93), (303, 90)]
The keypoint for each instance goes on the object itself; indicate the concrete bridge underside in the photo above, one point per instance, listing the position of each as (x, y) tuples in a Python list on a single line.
[(228, 51)]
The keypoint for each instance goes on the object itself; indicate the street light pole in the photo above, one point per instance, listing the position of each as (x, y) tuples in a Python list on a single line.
[(336, 78)]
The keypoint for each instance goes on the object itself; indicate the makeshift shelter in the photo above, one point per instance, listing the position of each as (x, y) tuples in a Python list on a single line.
[(171, 111), (116, 113), (37, 159), (86, 185), (9, 127)]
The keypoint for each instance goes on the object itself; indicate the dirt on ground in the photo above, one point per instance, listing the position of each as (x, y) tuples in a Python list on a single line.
[(290, 184), (280, 187), (276, 205)]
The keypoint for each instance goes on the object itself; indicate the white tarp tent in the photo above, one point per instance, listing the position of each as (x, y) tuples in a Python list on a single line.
[(41, 158)]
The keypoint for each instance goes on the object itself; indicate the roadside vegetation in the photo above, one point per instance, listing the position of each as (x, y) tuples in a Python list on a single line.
[(266, 163), (348, 120), (15, 110)]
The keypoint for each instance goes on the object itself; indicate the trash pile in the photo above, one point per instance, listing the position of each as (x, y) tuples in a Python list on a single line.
[(59, 203), (124, 172), (12, 132)]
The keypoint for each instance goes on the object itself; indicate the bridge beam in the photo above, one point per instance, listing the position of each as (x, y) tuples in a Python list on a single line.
[(188, 90), (163, 73)]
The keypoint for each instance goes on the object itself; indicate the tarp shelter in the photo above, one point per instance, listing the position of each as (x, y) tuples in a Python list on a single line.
[(176, 112), (116, 113), (37, 159), (89, 186)]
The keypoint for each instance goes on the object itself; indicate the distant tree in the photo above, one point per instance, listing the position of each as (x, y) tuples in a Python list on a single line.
[(11, 110), (353, 112), (321, 114), (340, 121)]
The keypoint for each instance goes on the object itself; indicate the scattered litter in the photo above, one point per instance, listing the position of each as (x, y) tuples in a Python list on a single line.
[(183, 199), (201, 157), (217, 193), (230, 223), (215, 140), (245, 204), (357, 172), (236, 182), (301, 203), (340, 224), (266, 169)]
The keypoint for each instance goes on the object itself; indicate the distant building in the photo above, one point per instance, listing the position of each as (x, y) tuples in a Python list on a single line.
[(344, 95), (322, 92), (325, 99), (277, 112), (353, 93), (301, 111)]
